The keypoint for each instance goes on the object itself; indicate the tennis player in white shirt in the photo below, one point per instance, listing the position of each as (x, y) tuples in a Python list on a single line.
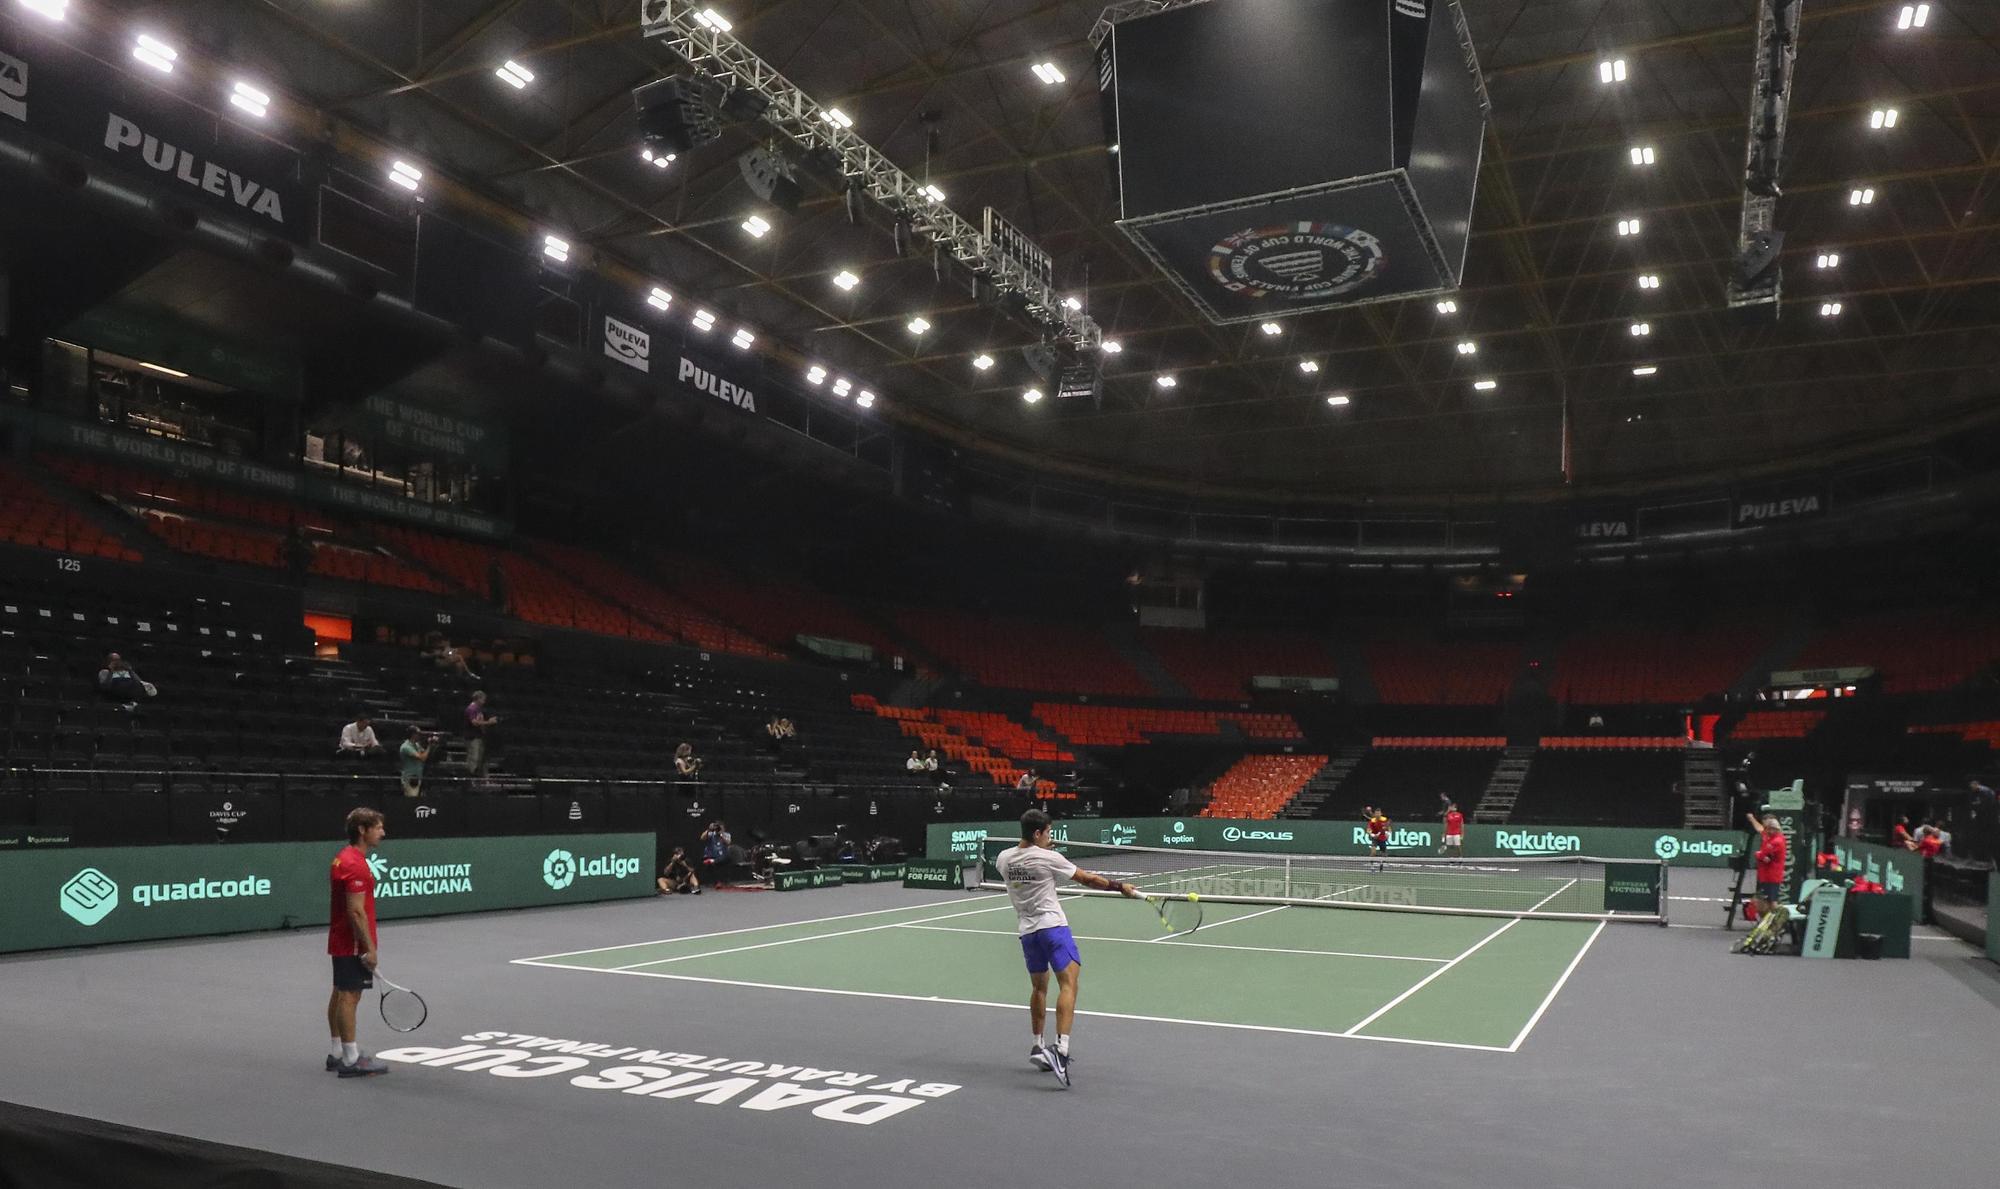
[(1033, 870)]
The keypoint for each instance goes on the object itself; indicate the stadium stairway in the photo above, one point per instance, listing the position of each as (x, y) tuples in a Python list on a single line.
[(1324, 784), (1124, 640), (1703, 804), (1503, 788)]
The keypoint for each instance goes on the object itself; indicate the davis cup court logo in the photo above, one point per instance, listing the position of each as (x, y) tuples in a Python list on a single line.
[(1296, 261), (88, 897)]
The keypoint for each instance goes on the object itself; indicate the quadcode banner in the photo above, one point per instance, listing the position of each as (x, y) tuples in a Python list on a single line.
[(92, 896)]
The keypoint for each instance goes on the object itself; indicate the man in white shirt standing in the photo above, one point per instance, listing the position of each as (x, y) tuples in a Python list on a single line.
[(1033, 870), (358, 739)]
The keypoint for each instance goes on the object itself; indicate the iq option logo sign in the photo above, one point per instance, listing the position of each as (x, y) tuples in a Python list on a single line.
[(88, 897), (561, 868)]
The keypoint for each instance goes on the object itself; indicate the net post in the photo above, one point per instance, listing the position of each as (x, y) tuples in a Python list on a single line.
[(1666, 869)]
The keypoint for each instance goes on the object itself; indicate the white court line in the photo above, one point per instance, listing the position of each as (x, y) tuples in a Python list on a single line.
[(765, 945), (1219, 924), (846, 916), (1571, 969), (1012, 1007), (1433, 975), (1248, 949)]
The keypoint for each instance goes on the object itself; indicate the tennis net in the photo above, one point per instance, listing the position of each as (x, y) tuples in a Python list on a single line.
[(1566, 887)]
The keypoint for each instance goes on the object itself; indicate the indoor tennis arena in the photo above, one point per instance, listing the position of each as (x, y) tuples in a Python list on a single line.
[(1176, 592)]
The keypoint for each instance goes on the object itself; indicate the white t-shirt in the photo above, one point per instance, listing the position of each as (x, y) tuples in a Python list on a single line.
[(1033, 873)]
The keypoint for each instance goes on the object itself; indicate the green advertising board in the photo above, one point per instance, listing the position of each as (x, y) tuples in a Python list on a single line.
[(816, 877), (871, 872), (1683, 848), (934, 873), (1898, 871), (1826, 905), (92, 896), (1632, 887)]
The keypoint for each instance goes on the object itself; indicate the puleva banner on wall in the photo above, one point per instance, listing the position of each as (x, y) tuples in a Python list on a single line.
[(98, 895)]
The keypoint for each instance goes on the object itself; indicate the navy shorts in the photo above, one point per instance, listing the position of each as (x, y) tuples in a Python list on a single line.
[(1770, 891), (350, 973), (1050, 948), (1381, 845)]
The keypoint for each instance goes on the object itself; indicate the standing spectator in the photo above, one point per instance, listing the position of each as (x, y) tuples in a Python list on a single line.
[(939, 777), (677, 876), (687, 765), (351, 941), (1899, 834), (476, 723), (715, 843), (413, 755), (118, 681), (1770, 863), (357, 739)]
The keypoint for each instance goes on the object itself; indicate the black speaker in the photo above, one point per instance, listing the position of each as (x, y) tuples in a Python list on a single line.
[(1279, 156), (677, 113), (770, 178)]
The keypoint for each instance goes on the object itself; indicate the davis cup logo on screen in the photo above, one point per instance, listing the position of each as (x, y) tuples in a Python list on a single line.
[(88, 897), (1296, 261)]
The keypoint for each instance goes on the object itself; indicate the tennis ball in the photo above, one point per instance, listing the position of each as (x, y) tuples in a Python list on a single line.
[(1193, 897)]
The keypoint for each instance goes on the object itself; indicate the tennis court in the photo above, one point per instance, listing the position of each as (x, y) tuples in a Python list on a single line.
[(1456, 981)]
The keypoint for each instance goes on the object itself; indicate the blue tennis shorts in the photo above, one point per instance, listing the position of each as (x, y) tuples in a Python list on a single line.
[(1380, 845), (1050, 948)]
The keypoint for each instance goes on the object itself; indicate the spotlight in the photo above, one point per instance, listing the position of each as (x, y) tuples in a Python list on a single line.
[(919, 325), (55, 10), (1049, 74), (515, 75), (1642, 154), (1167, 382), (1272, 329), (816, 375), (1468, 348), (1628, 226), (865, 399), (1861, 196), (1032, 395), (1829, 260), (1111, 346), (155, 53), (743, 338), (1611, 70), (1485, 385), (405, 175), (1649, 280), (1447, 307), (659, 298), (710, 19), (756, 226), (1641, 329), (250, 99), (704, 321), (1882, 117), (846, 280), (982, 362), (1308, 366), (657, 160), (556, 248), (933, 193), (1071, 303), (1646, 370), (1339, 400), (837, 117), (1913, 16), (842, 387), (1829, 309)]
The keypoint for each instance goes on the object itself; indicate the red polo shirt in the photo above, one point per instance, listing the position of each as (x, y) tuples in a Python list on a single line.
[(1771, 858), (350, 873), (1454, 823)]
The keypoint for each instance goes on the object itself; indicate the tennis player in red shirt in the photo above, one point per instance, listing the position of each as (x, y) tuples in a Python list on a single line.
[(1378, 834), (350, 939), (1454, 830), (1770, 863)]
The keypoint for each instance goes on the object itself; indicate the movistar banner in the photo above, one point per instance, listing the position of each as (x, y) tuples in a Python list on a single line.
[(59, 898), (1685, 848)]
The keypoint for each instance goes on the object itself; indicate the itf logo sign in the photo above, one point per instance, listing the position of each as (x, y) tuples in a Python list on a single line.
[(88, 897), (559, 869)]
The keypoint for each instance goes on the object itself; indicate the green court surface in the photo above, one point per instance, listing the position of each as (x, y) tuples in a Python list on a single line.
[(1453, 981)]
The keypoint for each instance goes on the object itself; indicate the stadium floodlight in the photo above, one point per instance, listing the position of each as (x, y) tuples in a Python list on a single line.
[(933, 193), (837, 117), (865, 399), (815, 375), (155, 53), (657, 160), (1611, 70), (756, 225), (1642, 154), (1829, 309), (743, 338), (1166, 382), (659, 298), (1111, 346), (842, 387), (514, 74), (250, 99), (1272, 329), (405, 175), (1485, 385), (55, 10), (1628, 227), (703, 321), (1913, 16), (556, 248), (1882, 117), (1447, 307), (1641, 329), (1648, 280), (1829, 260), (1644, 370), (982, 362), (1072, 303), (1032, 395), (164, 370), (919, 325), (1339, 400), (1049, 73), (1468, 347), (711, 19), (1308, 366), (1861, 196), (846, 280)]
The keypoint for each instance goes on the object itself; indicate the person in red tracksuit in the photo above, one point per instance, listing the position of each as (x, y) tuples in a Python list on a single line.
[(1770, 863)]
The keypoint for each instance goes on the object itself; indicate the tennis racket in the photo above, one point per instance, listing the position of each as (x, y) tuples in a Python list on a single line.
[(1179, 915), (403, 1010)]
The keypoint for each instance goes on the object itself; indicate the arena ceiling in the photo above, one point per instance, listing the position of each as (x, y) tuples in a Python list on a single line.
[(945, 88)]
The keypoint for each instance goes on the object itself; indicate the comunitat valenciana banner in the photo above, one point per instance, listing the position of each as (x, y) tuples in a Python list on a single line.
[(1683, 848), (62, 898)]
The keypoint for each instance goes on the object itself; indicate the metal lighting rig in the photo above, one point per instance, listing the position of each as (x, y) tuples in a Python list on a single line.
[(706, 46), (1757, 277)]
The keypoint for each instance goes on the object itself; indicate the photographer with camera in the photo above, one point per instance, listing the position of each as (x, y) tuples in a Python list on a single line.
[(412, 756)]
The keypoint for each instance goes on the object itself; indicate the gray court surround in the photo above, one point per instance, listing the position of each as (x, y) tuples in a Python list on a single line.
[(1665, 1061)]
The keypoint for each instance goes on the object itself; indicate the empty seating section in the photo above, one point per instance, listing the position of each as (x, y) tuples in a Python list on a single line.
[(1011, 738), (31, 518), (1432, 742), (1410, 669), (1406, 782), (1777, 724), (1972, 732), (1613, 743), (1024, 653), (1120, 726), (1630, 663), (653, 604), (149, 489), (1218, 666), (969, 739), (1258, 786), (1913, 651), (540, 595), (774, 611), (372, 568), (1581, 788), (468, 564), (222, 542)]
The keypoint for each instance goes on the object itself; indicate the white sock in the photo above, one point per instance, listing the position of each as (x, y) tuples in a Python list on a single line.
[(1039, 1042), (350, 1052), (1062, 1044), (333, 1047)]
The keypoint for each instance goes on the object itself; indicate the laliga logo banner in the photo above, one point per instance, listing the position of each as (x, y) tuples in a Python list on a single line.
[(561, 868)]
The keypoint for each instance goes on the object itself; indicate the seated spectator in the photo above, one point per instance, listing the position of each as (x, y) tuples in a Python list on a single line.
[(677, 876), (1026, 781), (118, 681), (687, 765), (440, 652), (357, 739), (413, 755), (916, 762), (939, 777), (780, 730)]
